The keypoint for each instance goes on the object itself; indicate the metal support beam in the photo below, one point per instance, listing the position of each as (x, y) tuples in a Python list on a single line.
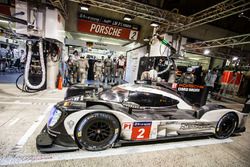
[(171, 22), (139, 10), (221, 42), (61, 5), (213, 13)]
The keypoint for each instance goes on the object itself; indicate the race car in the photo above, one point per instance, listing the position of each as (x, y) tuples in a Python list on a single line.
[(133, 113)]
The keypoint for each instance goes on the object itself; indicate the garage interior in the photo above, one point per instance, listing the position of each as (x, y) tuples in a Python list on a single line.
[(42, 41)]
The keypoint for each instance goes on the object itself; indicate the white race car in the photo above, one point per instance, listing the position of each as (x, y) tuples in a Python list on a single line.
[(133, 113)]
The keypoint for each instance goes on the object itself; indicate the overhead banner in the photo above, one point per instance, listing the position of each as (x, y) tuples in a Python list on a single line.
[(107, 27)]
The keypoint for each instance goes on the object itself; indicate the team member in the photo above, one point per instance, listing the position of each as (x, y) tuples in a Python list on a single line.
[(113, 70), (98, 70), (121, 65), (187, 77), (22, 59), (107, 69), (72, 70), (209, 81), (83, 66)]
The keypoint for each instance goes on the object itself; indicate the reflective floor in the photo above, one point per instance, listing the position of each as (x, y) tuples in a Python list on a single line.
[(23, 115)]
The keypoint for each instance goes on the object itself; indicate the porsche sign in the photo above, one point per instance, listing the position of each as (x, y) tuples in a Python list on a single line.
[(107, 27)]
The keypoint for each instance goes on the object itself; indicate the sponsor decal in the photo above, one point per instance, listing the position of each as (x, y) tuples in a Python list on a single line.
[(66, 104), (188, 90), (127, 125), (141, 130), (71, 124), (79, 134), (190, 86), (195, 125)]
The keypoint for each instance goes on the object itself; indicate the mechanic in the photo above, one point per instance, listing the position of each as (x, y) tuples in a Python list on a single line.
[(172, 75), (121, 65), (83, 66), (23, 58), (187, 77), (153, 74), (161, 66), (113, 70), (107, 69), (209, 81), (72, 69), (98, 70)]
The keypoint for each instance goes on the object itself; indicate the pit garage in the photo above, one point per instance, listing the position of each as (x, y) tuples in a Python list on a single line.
[(124, 83)]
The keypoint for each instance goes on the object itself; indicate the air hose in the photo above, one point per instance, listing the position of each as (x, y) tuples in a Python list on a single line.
[(169, 59), (27, 66)]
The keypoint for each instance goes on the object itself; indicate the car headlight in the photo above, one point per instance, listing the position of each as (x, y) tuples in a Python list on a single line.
[(55, 115)]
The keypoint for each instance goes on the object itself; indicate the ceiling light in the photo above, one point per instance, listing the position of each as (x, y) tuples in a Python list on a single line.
[(127, 18), (235, 58), (154, 24), (206, 52), (84, 7), (241, 15)]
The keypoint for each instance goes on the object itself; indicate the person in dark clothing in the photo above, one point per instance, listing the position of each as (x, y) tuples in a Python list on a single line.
[(161, 66), (91, 68), (198, 77)]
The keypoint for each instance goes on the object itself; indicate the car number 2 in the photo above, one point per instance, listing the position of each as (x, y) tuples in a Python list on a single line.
[(140, 133)]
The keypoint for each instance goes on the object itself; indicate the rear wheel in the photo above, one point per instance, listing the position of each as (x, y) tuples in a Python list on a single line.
[(97, 131), (226, 126)]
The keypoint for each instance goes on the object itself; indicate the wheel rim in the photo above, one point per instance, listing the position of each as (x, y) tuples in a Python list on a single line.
[(226, 126), (98, 131)]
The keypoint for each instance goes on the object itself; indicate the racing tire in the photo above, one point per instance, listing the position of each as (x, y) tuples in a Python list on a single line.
[(97, 131), (226, 126)]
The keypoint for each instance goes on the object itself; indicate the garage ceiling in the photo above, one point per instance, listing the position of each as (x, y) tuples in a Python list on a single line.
[(188, 7)]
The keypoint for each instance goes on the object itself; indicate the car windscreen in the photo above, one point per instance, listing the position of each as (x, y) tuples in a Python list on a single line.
[(116, 94)]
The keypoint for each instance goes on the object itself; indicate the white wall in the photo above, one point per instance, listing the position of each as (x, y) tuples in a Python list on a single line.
[(54, 25), (133, 60)]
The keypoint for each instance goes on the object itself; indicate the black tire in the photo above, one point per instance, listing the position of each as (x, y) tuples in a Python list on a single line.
[(226, 126), (97, 131)]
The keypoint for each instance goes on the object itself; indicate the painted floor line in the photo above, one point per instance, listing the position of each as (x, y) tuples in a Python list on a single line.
[(28, 97), (13, 122), (7, 102), (39, 158), (32, 129)]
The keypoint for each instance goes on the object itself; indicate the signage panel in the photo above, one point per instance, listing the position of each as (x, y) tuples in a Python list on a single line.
[(107, 27)]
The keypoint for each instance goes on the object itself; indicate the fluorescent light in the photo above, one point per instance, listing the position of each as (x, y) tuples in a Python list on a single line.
[(89, 40), (127, 18), (111, 43), (84, 7), (206, 52), (154, 24), (4, 21)]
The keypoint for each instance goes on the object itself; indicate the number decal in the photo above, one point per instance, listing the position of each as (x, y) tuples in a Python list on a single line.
[(141, 130), (133, 35), (141, 133)]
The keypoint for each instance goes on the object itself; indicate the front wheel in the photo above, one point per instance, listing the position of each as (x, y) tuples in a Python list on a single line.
[(97, 131), (226, 126)]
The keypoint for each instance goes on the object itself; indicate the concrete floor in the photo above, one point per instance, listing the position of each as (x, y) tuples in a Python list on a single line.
[(22, 116)]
